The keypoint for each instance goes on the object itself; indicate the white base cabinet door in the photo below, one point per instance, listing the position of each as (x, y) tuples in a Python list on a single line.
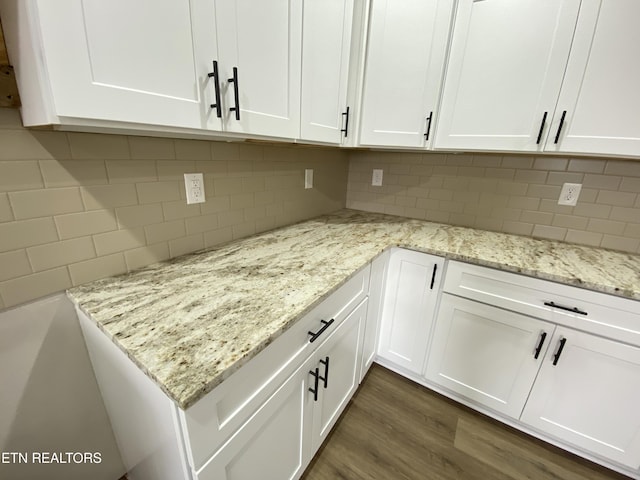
[(337, 364), (326, 44), (374, 312), (504, 73), (271, 444), (487, 354), (411, 292), (587, 394), (406, 52), (600, 98)]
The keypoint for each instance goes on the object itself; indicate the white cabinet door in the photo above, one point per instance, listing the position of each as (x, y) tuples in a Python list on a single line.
[(326, 46), (337, 364), (262, 40), (504, 73), (410, 298), (600, 98), (374, 311), (403, 74), (272, 443), (143, 62), (487, 354), (590, 397)]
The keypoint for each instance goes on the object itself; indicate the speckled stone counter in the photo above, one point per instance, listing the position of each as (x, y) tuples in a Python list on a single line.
[(191, 322)]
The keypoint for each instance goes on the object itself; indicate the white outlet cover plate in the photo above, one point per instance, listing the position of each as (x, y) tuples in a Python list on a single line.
[(194, 185), (569, 194), (376, 179), (308, 178)]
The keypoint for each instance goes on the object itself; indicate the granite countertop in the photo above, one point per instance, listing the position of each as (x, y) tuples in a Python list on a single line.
[(189, 323)]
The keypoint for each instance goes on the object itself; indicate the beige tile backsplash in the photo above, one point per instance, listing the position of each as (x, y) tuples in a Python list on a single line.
[(511, 193), (75, 207)]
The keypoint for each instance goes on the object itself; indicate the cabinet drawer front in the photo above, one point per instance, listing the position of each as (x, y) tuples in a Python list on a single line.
[(216, 416), (598, 313)]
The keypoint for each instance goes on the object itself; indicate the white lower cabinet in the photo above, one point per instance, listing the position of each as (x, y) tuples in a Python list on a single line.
[(265, 421), (281, 437), (486, 354), (410, 298), (572, 378), (271, 443), (337, 364), (587, 394), (370, 332)]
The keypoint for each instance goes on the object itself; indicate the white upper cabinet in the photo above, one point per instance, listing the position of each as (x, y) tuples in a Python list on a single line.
[(202, 65), (144, 62), (600, 93), (260, 41), (406, 52), (326, 47), (505, 70)]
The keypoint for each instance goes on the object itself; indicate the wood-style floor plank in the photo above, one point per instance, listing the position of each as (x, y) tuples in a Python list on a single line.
[(394, 429)]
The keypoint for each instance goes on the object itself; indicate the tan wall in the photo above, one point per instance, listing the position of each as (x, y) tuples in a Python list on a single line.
[(76, 207), (513, 194)]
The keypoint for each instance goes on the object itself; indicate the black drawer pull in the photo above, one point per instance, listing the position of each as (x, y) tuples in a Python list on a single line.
[(314, 390), (236, 96), (568, 309), (346, 123), (216, 86), (426, 135), (564, 114), (315, 335), (544, 120), (325, 379), (556, 356), (539, 347)]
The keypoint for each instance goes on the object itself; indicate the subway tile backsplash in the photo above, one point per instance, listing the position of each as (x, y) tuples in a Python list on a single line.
[(75, 207), (511, 193)]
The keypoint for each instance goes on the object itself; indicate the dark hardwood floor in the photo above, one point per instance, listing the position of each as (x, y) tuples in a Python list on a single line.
[(394, 429)]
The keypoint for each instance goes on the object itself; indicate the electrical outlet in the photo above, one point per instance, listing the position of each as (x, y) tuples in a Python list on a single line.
[(194, 185), (308, 178), (569, 194), (376, 179)]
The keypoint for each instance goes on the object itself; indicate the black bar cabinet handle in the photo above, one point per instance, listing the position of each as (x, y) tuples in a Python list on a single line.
[(216, 86), (556, 356), (314, 390), (564, 114), (433, 275), (568, 309), (544, 120), (325, 379), (426, 135), (236, 96), (539, 347), (346, 122), (315, 335)]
